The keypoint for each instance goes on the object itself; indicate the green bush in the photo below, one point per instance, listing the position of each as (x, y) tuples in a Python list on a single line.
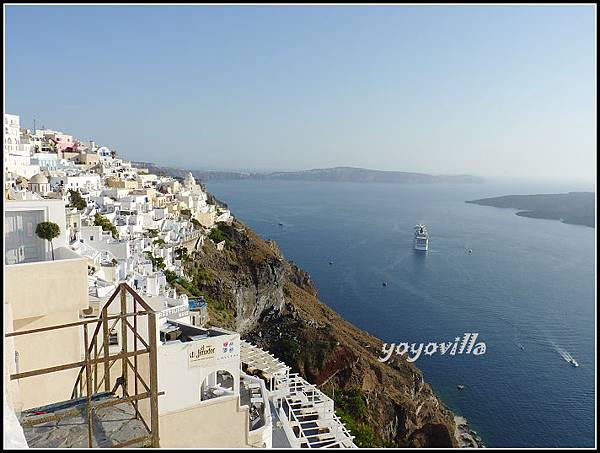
[(196, 224), (182, 253), (48, 231), (217, 236), (77, 200), (171, 276), (352, 410), (352, 403), (100, 220), (200, 274), (189, 286), (158, 262)]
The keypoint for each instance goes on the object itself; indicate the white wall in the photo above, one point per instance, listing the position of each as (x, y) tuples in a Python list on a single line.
[(53, 211), (181, 382)]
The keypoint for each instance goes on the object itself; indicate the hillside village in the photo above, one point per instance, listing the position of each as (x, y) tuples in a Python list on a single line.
[(84, 304)]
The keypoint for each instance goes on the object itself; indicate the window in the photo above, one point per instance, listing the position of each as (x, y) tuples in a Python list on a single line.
[(91, 238), (21, 242), (113, 338)]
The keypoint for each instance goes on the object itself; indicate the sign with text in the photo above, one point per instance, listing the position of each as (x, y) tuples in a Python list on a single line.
[(211, 351)]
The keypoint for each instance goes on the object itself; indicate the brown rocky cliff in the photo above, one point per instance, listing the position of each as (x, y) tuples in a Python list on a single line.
[(274, 304)]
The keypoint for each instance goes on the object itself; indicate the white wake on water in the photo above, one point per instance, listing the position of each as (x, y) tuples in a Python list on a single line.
[(564, 354)]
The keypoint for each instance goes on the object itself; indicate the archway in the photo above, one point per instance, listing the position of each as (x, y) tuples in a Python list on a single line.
[(217, 384)]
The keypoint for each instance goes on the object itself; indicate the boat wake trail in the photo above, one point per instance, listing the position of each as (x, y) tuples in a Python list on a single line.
[(564, 354)]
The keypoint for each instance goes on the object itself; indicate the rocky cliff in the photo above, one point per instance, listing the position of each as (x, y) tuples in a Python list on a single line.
[(273, 303)]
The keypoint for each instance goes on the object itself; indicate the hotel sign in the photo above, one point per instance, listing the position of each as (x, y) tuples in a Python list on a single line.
[(211, 351), (201, 354)]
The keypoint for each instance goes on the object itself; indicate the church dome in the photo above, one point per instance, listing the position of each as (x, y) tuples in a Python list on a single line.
[(40, 178)]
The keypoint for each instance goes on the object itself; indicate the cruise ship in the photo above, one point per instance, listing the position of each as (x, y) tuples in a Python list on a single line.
[(421, 238)]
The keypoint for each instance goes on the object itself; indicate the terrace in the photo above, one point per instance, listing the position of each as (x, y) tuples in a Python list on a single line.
[(261, 363), (177, 331), (304, 413), (308, 415)]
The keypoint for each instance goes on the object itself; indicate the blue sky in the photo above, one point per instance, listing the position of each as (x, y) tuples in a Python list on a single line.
[(493, 91)]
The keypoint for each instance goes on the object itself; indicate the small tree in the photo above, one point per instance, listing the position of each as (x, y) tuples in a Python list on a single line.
[(48, 231), (100, 220), (181, 253), (77, 200), (195, 223)]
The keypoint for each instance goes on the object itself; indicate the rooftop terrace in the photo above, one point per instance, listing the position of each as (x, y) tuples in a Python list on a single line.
[(64, 425)]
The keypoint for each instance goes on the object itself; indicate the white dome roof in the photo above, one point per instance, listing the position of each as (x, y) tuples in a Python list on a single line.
[(40, 178)]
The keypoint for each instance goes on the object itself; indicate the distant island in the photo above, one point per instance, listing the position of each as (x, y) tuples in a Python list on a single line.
[(335, 174), (573, 207)]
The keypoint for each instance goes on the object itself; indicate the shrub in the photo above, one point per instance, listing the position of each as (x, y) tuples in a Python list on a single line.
[(158, 262), (48, 231), (77, 200), (100, 220), (352, 409), (217, 235), (171, 276), (182, 253)]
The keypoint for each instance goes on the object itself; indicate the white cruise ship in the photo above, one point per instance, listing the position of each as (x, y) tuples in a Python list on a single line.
[(421, 238)]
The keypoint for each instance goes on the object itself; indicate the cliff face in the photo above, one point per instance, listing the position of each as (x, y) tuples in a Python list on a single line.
[(274, 304)]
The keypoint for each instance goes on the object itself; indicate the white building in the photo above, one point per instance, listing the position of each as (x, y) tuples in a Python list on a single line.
[(12, 133), (46, 161), (76, 182), (17, 157), (39, 184), (21, 217), (93, 236)]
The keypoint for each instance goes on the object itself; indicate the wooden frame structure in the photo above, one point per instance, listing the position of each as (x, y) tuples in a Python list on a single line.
[(88, 380)]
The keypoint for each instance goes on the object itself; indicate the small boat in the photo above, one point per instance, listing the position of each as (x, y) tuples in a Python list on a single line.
[(573, 362), (331, 263), (280, 224), (460, 387), (384, 283)]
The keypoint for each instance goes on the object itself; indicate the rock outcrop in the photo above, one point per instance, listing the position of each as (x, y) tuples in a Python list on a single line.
[(273, 303)]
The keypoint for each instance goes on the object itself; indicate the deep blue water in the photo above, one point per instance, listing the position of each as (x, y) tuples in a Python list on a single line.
[(528, 282)]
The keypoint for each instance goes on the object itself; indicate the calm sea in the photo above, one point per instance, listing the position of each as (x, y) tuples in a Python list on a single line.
[(527, 288)]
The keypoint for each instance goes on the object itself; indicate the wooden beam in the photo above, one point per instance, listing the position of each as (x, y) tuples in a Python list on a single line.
[(136, 334), (137, 297), (72, 324), (135, 361), (106, 347), (153, 380), (133, 441), (69, 366), (88, 387), (124, 340)]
